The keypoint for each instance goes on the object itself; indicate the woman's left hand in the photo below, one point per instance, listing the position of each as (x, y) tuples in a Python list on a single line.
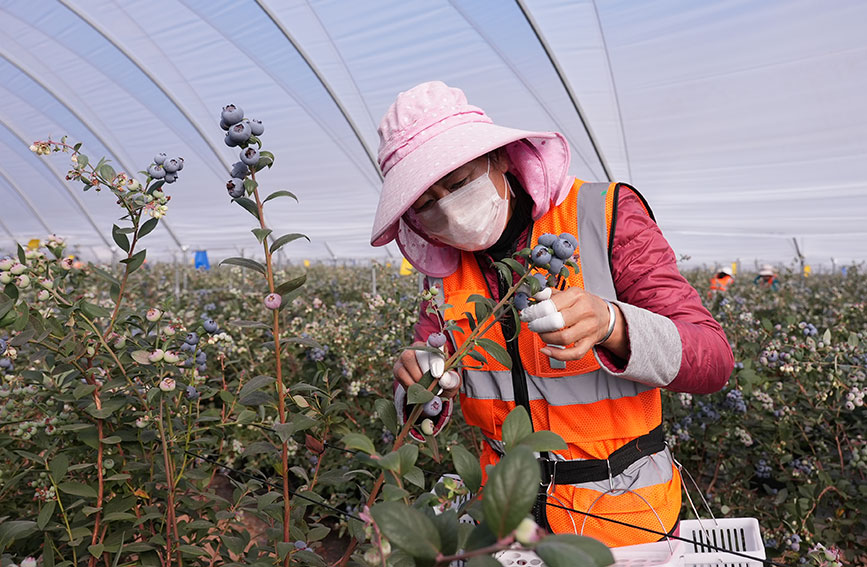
[(585, 319)]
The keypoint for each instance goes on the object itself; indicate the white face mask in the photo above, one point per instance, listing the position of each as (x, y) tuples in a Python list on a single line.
[(471, 218)]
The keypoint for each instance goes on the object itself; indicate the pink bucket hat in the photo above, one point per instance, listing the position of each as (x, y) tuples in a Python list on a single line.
[(429, 131)]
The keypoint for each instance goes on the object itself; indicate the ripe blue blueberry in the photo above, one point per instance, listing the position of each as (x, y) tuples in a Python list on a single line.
[(547, 239), (2, 346), (192, 339), (202, 368), (563, 249), (187, 347), (235, 187), (192, 393), (434, 407), (160, 158), (180, 163), (210, 326), (229, 141), (555, 266), (6, 363), (522, 300), (171, 165), (202, 357), (240, 132), (240, 170), (257, 127), (250, 156), (223, 125), (540, 256), (570, 238), (542, 279), (232, 114), (436, 340), (156, 171), (171, 177)]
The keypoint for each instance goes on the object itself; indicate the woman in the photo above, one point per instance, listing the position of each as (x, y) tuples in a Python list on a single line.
[(461, 192)]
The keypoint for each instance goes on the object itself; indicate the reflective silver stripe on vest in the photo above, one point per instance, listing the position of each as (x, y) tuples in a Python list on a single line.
[(586, 389), (593, 240)]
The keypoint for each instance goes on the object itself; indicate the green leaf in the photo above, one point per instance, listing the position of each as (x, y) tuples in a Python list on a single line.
[(360, 442), (276, 194), (483, 561), (291, 285), (499, 353), (13, 530), (84, 389), (544, 441), (22, 257), (515, 266), (58, 467), (141, 356), (285, 239), (516, 427), (135, 261), (416, 394), (249, 205), (112, 440), (392, 493), (83, 160), (251, 387), (387, 413), (250, 185), (261, 233), (408, 456), (45, 514), (415, 476), (192, 550), (467, 466), (120, 238), (510, 491), (568, 550), (77, 489), (407, 529), (246, 263), (483, 306), (148, 227), (96, 549), (853, 340), (107, 172), (390, 462), (93, 311), (826, 337)]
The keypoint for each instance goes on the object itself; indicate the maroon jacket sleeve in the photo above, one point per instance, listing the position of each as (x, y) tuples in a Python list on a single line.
[(646, 276)]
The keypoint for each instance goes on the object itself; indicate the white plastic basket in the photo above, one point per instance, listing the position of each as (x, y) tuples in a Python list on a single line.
[(731, 534)]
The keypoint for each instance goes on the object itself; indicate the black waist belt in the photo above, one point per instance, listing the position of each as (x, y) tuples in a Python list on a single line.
[(595, 470)]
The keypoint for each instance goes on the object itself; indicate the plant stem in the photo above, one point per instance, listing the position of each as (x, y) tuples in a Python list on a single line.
[(281, 401)]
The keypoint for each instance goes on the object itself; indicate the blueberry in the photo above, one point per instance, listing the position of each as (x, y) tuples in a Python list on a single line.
[(232, 114), (201, 368), (542, 279), (171, 165), (160, 158), (436, 340), (229, 141), (434, 407), (223, 125), (235, 187), (188, 347), (563, 249), (570, 238), (522, 300), (171, 177), (2, 346), (540, 255), (210, 326), (192, 393), (256, 127), (202, 357), (180, 163), (250, 156), (240, 132), (547, 239), (5, 363), (192, 339), (555, 266), (156, 171), (240, 170)]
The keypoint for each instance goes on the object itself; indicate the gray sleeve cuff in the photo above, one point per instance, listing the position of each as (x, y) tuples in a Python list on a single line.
[(655, 348)]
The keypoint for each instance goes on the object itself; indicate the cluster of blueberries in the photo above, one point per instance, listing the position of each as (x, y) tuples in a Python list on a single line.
[(165, 168), (809, 329), (240, 132), (551, 254), (735, 401), (191, 344), (763, 469)]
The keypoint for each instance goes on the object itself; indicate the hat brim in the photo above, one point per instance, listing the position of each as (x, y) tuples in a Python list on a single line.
[(407, 180)]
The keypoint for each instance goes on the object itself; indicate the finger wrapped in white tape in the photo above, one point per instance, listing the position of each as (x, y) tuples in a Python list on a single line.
[(450, 380), (434, 362), (548, 323), (543, 317)]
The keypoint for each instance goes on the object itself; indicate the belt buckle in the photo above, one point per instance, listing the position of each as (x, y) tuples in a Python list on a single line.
[(552, 477)]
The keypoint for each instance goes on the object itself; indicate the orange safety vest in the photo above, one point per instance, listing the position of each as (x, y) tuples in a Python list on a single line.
[(595, 412), (720, 284)]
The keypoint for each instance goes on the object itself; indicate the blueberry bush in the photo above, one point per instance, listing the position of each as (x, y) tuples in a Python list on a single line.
[(246, 417)]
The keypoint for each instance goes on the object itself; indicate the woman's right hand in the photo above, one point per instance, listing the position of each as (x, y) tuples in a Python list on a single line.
[(412, 364)]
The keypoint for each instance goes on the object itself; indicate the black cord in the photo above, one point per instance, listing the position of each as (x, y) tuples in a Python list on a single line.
[(273, 485)]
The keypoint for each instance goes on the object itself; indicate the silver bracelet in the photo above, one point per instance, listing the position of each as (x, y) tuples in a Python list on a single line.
[(612, 319)]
